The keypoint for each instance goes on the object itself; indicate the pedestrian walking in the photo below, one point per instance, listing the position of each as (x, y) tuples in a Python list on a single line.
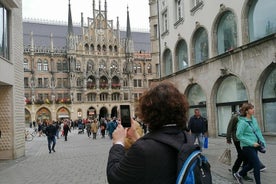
[(198, 126), (111, 126), (231, 134), (103, 127), (251, 141), (51, 138), (88, 128), (94, 128), (66, 129)]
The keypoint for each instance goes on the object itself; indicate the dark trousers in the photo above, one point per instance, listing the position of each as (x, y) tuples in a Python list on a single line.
[(240, 159), (94, 135), (88, 132), (65, 135), (253, 162), (51, 139)]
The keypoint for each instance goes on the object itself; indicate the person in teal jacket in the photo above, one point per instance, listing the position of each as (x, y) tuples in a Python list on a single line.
[(249, 134)]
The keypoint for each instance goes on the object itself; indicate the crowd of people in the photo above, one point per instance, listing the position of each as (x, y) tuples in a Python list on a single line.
[(163, 111)]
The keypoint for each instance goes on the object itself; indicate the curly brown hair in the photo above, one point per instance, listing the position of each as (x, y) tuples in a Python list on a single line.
[(162, 105), (244, 108)]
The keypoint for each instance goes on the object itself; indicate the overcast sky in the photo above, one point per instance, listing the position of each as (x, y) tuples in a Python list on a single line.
[(57, 10)]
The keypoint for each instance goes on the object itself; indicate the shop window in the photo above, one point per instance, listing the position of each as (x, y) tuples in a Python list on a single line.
[(269, 102)]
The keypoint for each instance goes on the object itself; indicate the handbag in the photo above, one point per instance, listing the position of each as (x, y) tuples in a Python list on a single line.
[(205, 145), (261, 148), (225, 158)]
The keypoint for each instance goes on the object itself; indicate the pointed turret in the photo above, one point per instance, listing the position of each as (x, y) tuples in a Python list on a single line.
[(70, 22), (129, 48), (105, 11), (71, 41), (128, 31)]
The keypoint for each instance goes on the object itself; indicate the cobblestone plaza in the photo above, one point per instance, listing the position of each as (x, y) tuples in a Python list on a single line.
[(83, 160)]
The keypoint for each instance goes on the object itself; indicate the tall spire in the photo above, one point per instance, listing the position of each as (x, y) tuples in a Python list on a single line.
[(128, 31), (129, 47), (70, 22)]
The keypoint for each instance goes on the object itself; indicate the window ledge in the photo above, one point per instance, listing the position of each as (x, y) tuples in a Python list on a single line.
[(165, 33), (178, 22), (196, 8)]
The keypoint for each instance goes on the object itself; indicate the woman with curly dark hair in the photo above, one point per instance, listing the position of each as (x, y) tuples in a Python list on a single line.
[(163, 109)]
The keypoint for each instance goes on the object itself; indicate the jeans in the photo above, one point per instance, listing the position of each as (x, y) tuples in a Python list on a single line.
[(252, 162), (239, 159), (50, 140), (199, 137)]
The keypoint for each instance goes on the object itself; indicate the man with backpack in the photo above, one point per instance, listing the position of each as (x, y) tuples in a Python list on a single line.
[(159, 156)]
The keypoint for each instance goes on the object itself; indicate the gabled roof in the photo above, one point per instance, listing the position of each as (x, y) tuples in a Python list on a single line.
[(42, 32)]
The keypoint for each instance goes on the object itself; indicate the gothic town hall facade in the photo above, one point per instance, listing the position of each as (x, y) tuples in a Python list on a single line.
[(85, 71)]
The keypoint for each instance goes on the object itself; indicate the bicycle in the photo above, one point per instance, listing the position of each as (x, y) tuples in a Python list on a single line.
[(30, 136)]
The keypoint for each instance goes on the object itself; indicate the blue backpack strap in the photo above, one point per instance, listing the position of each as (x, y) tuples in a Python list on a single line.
[(186, 166)]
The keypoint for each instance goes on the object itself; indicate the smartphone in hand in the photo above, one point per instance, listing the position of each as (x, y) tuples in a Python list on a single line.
[(125, 115)]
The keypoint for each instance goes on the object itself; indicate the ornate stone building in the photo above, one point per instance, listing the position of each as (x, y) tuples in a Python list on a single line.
[(90, 74), (220, 54), (12, 143)]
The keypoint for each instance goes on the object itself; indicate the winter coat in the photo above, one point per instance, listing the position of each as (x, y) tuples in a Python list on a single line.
[(94, 127), (147, 161), (245, 132)]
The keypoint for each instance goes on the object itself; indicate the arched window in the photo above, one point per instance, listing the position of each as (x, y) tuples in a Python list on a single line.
[(79, 82), (134, 68), (104, 48), (201, 45), (231, 93), (86, 47), (102, 65), (167, 62), (104, 97), (103, 82), (197, 100), (139, 68), (26, 64), (227, 33), (45, 65), (99, 48), (91, 97), (91, 82), (89, 66), (92, 47), (59, 66), (39, 65), (149, 68), (65, 66), (269, 102), (261, 19), (115, 96), (181, 55), (78, 66), (114, 67), (115, 83)]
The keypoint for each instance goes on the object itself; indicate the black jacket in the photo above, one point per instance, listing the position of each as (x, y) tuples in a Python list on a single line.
[(51, 131), (198, 124), (147, 161)]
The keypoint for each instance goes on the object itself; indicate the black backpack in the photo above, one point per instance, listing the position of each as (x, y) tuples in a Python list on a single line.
[(192, 166)]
